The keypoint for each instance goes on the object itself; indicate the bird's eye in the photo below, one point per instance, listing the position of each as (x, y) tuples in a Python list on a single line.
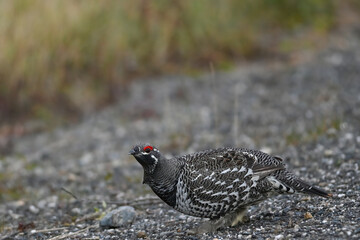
[(148, 149)]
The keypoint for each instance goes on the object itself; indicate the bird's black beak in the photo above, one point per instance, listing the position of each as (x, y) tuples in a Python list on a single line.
[(132, 152)]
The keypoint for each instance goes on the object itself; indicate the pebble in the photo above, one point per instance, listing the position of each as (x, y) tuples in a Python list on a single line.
[(76, 211), (52, 205), (341, 195), (16, 204), (52, 202), (120, 217), (349, 136), (163, 234), (308, 215), (328, 153), (42, 204), (296, 228), (34, 209), (279, 237), (141, 234)]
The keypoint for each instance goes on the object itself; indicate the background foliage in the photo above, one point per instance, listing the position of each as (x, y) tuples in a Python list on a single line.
[(63, 59)]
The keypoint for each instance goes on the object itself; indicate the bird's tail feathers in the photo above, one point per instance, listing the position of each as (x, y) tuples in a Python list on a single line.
[(285, 181), (309, 189)]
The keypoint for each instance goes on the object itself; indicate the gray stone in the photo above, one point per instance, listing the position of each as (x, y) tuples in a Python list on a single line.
[(34, 209), (341, 195), (120, 217), (279, 237)]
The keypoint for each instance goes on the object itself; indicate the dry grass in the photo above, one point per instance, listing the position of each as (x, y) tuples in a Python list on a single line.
[(67, 58)]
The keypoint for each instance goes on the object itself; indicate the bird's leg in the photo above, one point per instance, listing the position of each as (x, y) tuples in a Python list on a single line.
[(230, 219), (211, 225), (239, 216)]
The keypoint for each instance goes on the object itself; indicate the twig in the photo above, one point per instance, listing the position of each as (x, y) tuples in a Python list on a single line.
[(47, 230), (74, 233), (70, 193), (133, 203), (136, 202), (171, 222), (89, 216)]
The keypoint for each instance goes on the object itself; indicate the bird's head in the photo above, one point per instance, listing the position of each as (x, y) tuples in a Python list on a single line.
[(147, 155)]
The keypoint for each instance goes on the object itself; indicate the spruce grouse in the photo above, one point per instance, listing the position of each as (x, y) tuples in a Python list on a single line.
[(219, 183)]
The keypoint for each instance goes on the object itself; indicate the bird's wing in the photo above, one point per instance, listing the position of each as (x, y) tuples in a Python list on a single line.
[(225, 174), (222, 159)]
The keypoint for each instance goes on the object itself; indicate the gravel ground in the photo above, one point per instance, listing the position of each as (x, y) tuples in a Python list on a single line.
[(308, 113)]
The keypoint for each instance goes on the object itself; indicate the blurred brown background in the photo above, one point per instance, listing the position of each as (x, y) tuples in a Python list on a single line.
[(61, 60)]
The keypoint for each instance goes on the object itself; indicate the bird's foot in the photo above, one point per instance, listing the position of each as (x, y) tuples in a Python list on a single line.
[(231, 219), (209, 226), (240, 216)]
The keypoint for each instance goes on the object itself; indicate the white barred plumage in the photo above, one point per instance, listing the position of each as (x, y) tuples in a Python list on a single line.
[(219, 183)]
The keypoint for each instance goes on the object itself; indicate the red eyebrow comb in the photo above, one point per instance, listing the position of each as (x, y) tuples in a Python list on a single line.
[(148, 148)]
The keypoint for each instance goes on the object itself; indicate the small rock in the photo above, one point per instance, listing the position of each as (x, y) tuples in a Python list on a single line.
[(278, 237), (163, 234), (331, 132), (306, 198), (322, 184), (141, 234), (42, 204), (349, 136), (72, 177), (18, 203), (341, 195), (296, 228), (328, 153), (122, 216), (308, 215), (52, 205), (266, 150), (34, 209), (76, 211), (52, 202), (14, 215)]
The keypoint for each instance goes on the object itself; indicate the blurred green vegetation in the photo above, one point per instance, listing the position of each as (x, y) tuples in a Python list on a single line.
[(312, 134), (63, 59)]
